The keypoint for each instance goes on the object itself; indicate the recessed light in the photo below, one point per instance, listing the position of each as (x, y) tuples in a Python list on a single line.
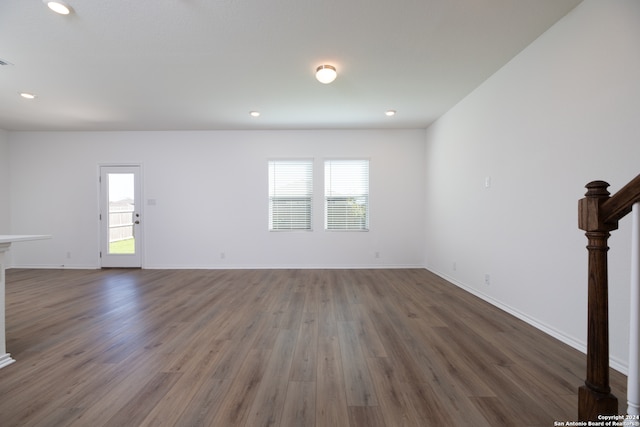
[(390, 113), (254, 113), (58, 7), (27, 95)]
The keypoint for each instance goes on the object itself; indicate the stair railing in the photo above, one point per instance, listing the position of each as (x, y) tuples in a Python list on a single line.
[(598, 215), (633, 375)]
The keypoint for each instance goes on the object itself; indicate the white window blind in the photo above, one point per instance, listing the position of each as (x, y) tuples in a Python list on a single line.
[(346, 191), (290, 194)]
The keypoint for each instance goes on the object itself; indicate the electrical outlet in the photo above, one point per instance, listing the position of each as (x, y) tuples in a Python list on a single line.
[(454, 266), (487, 279), (223, 255), (377, 254), (68, 255)]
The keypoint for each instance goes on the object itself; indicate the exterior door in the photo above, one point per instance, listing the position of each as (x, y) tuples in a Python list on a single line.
[(120, 217)]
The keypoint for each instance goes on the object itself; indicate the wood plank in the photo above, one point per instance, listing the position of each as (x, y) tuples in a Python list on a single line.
[(235, 404), (433, 406), (394, 407), (269, 401), (300, 405), (195, 375), (246, 331), (331, 400), (367, 334), (397, 349), (312, 294), (137, 408), (340, 299), (370, 416), (303, 368), (359, 387)]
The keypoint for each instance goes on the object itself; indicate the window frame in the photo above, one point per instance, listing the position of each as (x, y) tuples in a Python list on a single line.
[(328, 187), (291, 197)]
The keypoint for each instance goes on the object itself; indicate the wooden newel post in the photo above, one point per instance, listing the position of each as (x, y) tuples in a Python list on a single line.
[(594, 397)]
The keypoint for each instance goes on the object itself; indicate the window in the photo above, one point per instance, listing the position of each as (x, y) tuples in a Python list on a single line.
[(290, 194), (346, 192)]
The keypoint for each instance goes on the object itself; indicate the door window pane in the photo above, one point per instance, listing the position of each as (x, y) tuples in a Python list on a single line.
[(121, 213)]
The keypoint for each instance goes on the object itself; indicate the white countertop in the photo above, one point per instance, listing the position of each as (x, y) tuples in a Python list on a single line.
[(10, 238)]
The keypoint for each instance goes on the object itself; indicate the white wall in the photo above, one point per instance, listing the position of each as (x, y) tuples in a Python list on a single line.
[(211, 197), (4, 182), (564, 112)]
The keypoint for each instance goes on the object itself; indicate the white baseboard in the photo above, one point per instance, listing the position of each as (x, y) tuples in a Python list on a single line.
[(54, 267), (278, 267), (5, 359)]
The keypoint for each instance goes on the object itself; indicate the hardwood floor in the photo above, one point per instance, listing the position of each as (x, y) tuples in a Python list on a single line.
[(275, 348)]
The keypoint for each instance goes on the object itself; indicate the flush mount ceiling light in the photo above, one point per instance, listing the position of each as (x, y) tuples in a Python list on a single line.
[(326, 74), (390, 113), (254, 113), (58, 7), (27, 95)]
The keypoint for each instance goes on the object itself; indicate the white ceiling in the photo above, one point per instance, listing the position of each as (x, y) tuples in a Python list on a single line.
[(204, 64)]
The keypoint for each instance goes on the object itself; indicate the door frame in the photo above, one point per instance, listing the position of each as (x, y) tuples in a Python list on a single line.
[(122, 261)]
